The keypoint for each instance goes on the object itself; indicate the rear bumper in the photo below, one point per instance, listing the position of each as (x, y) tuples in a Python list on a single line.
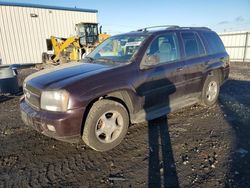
[(64, 126)]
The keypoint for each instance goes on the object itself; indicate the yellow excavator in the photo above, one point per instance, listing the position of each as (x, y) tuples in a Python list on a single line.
[(76, 47)]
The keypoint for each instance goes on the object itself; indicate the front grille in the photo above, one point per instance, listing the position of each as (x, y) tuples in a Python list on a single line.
[(32, 96), (33, 90)]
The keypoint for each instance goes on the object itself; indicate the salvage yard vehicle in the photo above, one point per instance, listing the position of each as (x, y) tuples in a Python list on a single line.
[(75, 47), (129, 78)]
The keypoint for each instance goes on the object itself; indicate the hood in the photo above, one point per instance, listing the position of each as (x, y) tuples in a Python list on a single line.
[(63, 75)]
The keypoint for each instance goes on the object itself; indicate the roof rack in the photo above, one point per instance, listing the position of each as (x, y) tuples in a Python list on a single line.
[(205, 28), (159, 26), (171, 27)]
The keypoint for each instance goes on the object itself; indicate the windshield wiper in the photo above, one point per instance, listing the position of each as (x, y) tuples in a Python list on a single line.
[(106, 60), (88, 59)]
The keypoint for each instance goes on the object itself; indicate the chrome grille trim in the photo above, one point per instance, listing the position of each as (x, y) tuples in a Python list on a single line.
[(35, 91), (32, 96)]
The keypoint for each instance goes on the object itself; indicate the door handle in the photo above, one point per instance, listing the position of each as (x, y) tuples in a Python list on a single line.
[(207, 62)]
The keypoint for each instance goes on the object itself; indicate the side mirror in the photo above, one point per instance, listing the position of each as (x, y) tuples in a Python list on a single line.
[(150, 61)]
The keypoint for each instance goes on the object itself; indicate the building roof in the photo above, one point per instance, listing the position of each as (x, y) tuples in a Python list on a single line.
[(30, 5)]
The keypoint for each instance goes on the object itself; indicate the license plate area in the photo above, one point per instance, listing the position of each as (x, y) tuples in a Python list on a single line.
[(26, 119)]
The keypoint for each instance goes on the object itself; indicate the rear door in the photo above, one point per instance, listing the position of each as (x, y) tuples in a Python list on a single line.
[(196, 61)]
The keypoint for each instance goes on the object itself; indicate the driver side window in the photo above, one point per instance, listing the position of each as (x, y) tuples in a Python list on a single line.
[(165, 48)]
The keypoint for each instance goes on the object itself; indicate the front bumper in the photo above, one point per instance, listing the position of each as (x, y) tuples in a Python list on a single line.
[(64, 126)]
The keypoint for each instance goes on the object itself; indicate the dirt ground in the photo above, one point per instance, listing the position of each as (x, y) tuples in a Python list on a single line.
[(193, 147)]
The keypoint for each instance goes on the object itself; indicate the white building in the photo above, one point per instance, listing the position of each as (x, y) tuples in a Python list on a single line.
[(24, 29)]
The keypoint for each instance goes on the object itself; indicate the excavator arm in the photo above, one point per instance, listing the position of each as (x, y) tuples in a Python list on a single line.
[(60, 46)]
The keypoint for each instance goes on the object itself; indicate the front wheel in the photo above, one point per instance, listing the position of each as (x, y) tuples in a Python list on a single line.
[(106, 125), (210, 90)]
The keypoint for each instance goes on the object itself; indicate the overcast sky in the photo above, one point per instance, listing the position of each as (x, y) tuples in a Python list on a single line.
[(121, 16)]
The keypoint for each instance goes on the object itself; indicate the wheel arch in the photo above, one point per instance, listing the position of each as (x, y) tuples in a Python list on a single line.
[(217, 71), (123, 97)]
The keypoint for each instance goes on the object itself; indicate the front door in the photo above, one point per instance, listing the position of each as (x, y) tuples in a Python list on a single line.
[(163, 79)]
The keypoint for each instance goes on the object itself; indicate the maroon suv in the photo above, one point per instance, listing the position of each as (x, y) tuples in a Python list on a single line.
[(129, 78)]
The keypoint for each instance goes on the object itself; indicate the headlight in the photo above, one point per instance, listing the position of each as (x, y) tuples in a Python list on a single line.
[(55, 100)]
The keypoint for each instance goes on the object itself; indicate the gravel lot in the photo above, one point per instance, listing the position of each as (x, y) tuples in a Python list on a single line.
[(193, 147)]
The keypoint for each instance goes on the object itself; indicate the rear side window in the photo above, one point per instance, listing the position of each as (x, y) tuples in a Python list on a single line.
[(192, 44), (215, 44)]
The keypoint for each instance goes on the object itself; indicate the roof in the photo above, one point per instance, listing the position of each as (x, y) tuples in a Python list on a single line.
[(148, 31), (30, 5), (171, 27)]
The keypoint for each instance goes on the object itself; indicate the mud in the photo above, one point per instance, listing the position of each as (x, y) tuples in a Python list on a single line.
[(193, 147)]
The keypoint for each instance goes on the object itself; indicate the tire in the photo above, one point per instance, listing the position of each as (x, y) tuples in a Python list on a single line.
[(211, 89), (106, 125)]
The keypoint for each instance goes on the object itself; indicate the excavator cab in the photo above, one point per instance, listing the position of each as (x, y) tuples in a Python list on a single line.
[(87, 33)]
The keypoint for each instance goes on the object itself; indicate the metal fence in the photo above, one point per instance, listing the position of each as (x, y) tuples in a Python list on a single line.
[(237, 45)]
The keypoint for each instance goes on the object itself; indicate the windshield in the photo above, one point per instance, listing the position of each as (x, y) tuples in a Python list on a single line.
[(117, 49)]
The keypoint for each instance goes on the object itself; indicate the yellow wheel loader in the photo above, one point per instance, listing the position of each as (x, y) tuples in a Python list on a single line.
[(76, 47)]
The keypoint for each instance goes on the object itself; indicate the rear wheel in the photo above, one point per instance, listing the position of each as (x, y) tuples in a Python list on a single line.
[(210, 90), (106, 125)]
